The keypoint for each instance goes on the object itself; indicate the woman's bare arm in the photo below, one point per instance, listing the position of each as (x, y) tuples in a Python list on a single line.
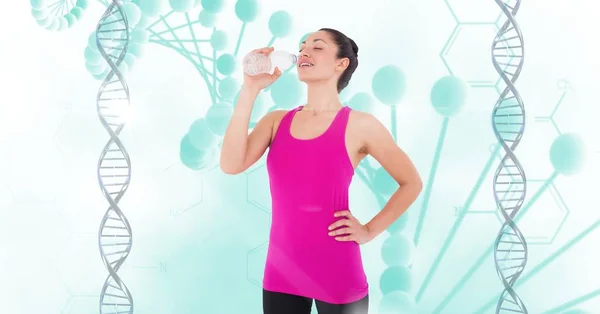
[(239, 150)]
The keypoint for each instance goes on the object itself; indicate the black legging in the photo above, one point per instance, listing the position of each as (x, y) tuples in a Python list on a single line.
[(283, 303)]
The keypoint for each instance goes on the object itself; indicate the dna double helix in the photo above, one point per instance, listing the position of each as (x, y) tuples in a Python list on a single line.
[(508, 122), (114, 166)]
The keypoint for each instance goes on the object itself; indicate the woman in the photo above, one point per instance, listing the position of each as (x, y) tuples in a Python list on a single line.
[(314, 149)]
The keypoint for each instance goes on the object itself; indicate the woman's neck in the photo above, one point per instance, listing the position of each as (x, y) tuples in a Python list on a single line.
[(322, 97)]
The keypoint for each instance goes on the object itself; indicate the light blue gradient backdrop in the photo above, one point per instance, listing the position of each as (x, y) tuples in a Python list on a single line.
[(199, 237)]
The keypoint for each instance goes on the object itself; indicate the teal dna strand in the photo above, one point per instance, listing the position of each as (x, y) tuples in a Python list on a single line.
[(114, 165), (508, 122)]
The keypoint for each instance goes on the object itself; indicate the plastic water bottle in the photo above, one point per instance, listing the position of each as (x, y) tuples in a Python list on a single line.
[(256, 63)]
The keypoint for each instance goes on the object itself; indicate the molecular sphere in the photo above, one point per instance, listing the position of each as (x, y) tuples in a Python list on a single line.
[(93, 57), (226, 64), (150, 7), (398, 250), (81, 3), (77, 12), (133, 13), (207, 19), (397, 302), (280, 24), (200, 136), (96, 69), (182, 5), (212, 6), (194, 158), (448, 95), (286, 92), (227, 88), (246, 10), (40, 14), (396, 278), (568, 153), (71, 19), (218, 40), (365, 102), (218, 117), (140, 36), (389, 84), (39, 4)]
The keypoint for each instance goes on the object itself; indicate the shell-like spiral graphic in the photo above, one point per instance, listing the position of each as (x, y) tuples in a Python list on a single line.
[(114, 166), (508, 122)]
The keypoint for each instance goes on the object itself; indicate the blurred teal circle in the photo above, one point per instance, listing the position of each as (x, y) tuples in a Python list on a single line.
[(363, 102), (95, 69), (64, 23), (286, 91), (280, 24), (398, 250), (218, 40), (246, 10), (39, 4), (71, 19), (82, 4), (182, 5), (93, 57), (133, 13), (396, 278), (448, 95), (568, 153), (228, 87), (383, 182), (389, 85), (39, 14), (218, 116), (200, 136), (195, 158), (150, 7), (45, 22), (77, 12), (207, 19), (226, 64), (397, 302), (212, 6), (92, 41), (140, 36), (54, 25)]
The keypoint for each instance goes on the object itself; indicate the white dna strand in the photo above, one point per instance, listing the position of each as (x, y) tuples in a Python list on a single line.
[(508, 122), (114, 166)]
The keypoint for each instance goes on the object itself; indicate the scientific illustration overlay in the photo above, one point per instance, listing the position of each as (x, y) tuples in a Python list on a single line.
[(194, 36)]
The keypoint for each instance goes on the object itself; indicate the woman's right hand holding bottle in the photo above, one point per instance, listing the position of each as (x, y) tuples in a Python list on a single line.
[(261, 81)]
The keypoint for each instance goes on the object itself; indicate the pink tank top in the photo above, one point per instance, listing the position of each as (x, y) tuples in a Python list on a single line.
[(309, 181)]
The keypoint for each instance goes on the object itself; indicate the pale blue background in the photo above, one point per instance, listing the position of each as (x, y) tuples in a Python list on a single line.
[(193, 231)]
